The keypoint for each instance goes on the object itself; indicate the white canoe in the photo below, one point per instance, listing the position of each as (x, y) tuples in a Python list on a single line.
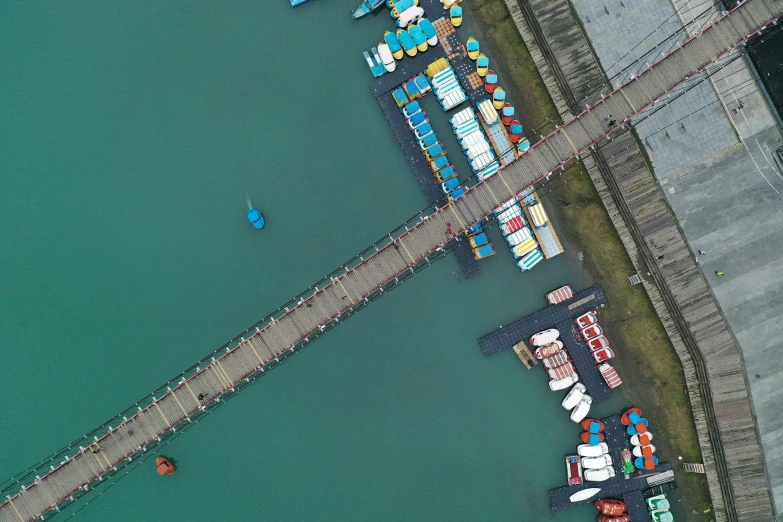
[(586, 450), (584, 494), (386, 57), (545, 337)]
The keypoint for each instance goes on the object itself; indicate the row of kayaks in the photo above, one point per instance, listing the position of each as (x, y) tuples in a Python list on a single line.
[(474, 143), (518, 236), (417, 37), (433, 150), (590, 330)]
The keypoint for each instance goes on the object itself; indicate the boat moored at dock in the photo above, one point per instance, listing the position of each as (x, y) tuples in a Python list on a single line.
[(482, 65), (429, 31), (491, 82), (394, 45), (473, 48), (387, 59), (407, 43), (498, 97), (507, 114), (256, 218), (418, 37), (455, 13), (574, 470), (367, 7)]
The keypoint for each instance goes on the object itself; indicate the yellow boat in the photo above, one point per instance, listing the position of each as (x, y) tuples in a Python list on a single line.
[(456, 15), (499, 98), (473, 48), (394, 45), (482, 65)]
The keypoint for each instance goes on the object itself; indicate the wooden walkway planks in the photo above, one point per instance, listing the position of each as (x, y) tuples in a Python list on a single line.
[(327, 304)]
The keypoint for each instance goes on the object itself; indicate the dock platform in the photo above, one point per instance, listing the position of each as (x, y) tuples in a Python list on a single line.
[(546, 236), (505, 151), (631, 490), (560, 316), (418, 163), (524, 354)]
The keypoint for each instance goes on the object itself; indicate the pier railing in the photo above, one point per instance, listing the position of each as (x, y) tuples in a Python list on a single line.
[(50, 486)]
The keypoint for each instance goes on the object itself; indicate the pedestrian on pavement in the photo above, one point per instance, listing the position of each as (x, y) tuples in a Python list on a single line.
[(659, 257), (701, 253)]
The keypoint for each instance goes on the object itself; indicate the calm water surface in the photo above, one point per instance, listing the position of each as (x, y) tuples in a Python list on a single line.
[(131, 134)]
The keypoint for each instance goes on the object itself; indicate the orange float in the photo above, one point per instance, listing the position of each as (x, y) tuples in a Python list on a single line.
[(165, 467)]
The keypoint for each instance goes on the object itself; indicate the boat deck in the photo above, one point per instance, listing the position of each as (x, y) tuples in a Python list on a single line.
[(546, 236), (631, 490), (560, 316), (505, 151)]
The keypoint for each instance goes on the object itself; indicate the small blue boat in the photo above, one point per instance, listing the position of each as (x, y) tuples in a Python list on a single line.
[(446, 174), (411, 109), (450, 185), (423, 131), (482, 251), (428, 141), (416, 120), (455, 194), (478, 240), (439, 163), (406, 40), (394, 44), (255, 217), (367, 7)]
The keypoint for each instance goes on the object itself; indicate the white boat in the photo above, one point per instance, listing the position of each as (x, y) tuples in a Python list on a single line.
[(599, 475), (584, 494), (386, 57), (599, 462), (574, 396), (461, 117), (587, 450), (545, 337), (410, 16), (635, 439), (481, 161), (582, 409), (639, 452), (562, 384), (488, 111), (476, 150), (520, 236)]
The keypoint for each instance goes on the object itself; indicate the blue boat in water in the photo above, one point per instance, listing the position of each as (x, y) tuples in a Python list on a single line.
[(255, 217), (367, 7)]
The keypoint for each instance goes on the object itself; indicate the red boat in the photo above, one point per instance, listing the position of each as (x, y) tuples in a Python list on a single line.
[(625, 416), (542, 352), (515, 131), (507, 114), (585, 436), (610, 376), (621, 518), (512, 225), (585, 320), (561, 372), (610, 506), (592, 331), (598, 343), (574, 469), (558, 359), (564, 293), (592, 425), (491, 82), (602, 355)]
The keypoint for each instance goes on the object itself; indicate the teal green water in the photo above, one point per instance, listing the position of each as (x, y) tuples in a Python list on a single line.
[(131, 135)]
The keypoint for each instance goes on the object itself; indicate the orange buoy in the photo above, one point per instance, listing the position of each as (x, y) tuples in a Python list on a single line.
[(165, 467)]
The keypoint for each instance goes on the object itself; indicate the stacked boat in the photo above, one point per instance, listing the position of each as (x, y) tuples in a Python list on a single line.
[(474, 143), (446, 84), (593, 336), (518, 236), (658, 507), (641, 439), (612, 510), (557, 363), (479, 243)]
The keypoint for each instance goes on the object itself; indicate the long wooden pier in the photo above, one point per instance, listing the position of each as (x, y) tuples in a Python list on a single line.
[(54, 485)]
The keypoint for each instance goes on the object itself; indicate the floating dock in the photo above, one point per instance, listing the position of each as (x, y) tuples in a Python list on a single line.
[(631, 490), (546, 236), (498, 137), (560, 316)]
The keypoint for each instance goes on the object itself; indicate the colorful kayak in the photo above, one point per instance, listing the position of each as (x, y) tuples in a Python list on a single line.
[(456, 15), (255, 217), (473, 48), (367, 7), (429, 31), (394, 45), (507, 114), (499, 98), (482, 65), (515, 132), (407, 42), (418, 37), (491, 82)]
